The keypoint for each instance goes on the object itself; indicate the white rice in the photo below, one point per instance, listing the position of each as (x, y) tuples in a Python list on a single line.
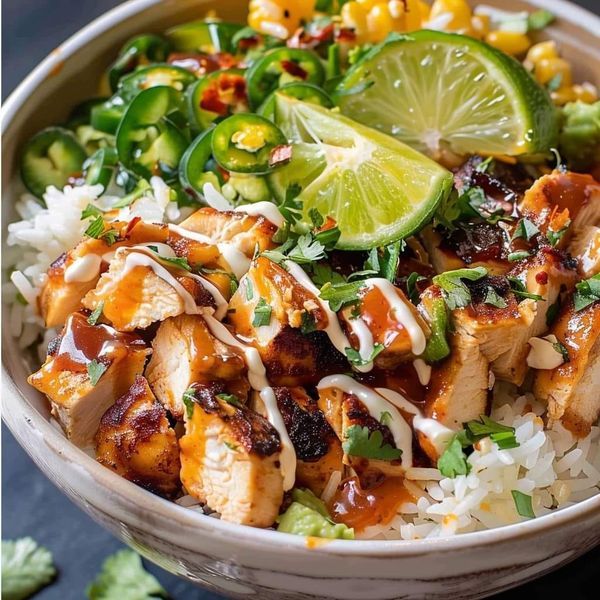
[(551, 465)]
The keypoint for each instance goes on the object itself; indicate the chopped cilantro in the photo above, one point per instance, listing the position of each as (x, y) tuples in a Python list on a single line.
[(26, 568), (306, 250), (493, 298), (411, 287), (518, 255), (518, 288), (390, 260), (122, 577), (560, 348), (291, 208), (176, 261), (342, 294), (525, 229), (95, 370), (316, 217), (456, 293), (93, 318), (552, 312), (586, 292), (502, 435), (372, 263), (554, 237), (308, 324), (230, 399), (523, 504), (90, 211), (189, 399), (359, 442), (110, 236), (262, 314), (453, 461), (354, 357), (323, 273), (328, 237), (95, 228), (249, 288)]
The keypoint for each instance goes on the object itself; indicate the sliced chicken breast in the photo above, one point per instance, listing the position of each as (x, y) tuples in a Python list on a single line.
[(230, 459), (585, 247), (87, 368), (136, 441), (183, 352), (572, 390)]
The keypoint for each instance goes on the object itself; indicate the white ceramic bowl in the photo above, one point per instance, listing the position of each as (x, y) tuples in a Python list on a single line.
[(236, 560)]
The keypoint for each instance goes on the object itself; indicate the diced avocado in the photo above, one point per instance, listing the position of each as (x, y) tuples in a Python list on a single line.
[(579, 142)]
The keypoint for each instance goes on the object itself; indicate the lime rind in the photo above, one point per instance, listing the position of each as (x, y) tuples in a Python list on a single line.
[(377, 189), (432, 89)]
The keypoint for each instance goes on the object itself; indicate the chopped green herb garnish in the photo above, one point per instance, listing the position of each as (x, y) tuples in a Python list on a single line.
[(95, 370), (518, 255), (554, 237), (539, 19), (176, 261), (354, 357), (308, 324), (456, 293), (328, 237), (586, 292), (411, 287), (502, 435), (189, 399), (95, 228), (323, 273), (110, 236), (518, 288), (560, 348), (453, 461), (525, 229), (341, 295), (493, 298), (230, 399), (523, 504), (249, 288), (552, 312), (291, 208), (93, 318), (359, 442), (307, 250), (232, 447), (316, 217), (390, 260), (262, 314), (90, 211)]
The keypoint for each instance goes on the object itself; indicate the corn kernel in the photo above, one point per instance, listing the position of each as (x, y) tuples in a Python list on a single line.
[(586, 92), (279, 17), (396, 8), (460, 11), (354, 16), (562, 95), (424, 10), (367, 4), (542, 50), (480, 25), (413, 18), (379, 22), (508, 41), (547, 69)]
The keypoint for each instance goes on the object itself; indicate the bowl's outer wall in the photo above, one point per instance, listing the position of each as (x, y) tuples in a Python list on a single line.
[(239, 561)]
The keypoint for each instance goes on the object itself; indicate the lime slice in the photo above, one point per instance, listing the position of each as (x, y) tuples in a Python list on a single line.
[(439, 91), (376, 188)]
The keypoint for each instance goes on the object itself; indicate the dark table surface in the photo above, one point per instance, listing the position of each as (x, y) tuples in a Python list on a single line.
[(31, 504)]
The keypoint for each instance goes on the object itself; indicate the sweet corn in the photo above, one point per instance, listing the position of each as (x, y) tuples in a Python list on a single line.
[(379, 22), (354, 16), (508, 41), (424, 10), (541, 50), (586, 92), (547, 69), (413, 15), (458, 9), (279, 18)]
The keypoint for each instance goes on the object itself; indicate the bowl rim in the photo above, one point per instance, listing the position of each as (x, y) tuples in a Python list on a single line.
[(189, 518)]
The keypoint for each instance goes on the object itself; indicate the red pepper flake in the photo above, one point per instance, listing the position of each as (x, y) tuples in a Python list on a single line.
[(329, 223), (309, 40), (249, 42), (294, 69), (344, 34), (212, 97), (541, 277), (280, 154)]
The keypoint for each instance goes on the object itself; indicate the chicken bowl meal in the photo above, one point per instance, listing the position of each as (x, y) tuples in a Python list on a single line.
[(333, 271)]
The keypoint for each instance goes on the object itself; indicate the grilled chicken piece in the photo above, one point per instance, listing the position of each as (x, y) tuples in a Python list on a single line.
[(136, 441), (585, 247), (245, 232), (138, 290), (343, 411), (572, 390), (290, 357), (546, 274), (184, 352), (386, 327), (81, 354), (318, 449), (230, 459), (458, 389), (563, 201)]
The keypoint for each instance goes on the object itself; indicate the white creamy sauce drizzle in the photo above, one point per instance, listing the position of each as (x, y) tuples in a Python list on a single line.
[(423, 371), (376, 405), (82, 269), (268, 210), (235, 258), (401, 312), (258, 380)]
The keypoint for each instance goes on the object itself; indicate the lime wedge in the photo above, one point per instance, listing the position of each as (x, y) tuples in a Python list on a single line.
[(439, 91), (376, 188)]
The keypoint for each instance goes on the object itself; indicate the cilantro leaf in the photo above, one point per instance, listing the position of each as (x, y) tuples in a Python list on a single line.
[(354, 357), (518, 255), (456, 293), (341, 295), (518, 289), (372, 263), (523, 504), (561, 349), (189, 399), (90, 211), (453, 461), (323, 273), (586, 292), (230, 399), (316, 217), (493, 298), (307, 250), (525, 229), (359, 442), (411, 286), (539, 19), (554, 237), (123, 577), (95, 370), (502, 435), (328, 237), (262, 314), (176, 261), (110, 236), (308, 324), (93, 318), (390, 260), (95, 228), (291, 208), (249, 288), (26, 568)]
